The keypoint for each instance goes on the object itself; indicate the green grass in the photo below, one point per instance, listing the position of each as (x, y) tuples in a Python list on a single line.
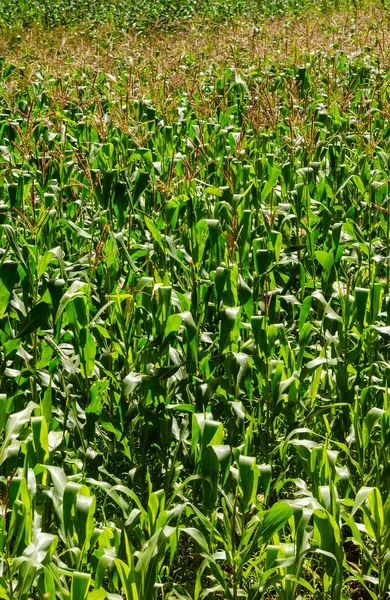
[(194, 308)]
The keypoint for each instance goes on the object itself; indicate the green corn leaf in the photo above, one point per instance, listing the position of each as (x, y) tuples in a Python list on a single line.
[(155, 233), (249, 474), (228, 328), (98, 594), (361, 297), (80, 585), (141, 182), (8, 277), (14, 425), (78, 289), (275, 518), (270, 184), (36, 319), (84, 519), (87, 351)]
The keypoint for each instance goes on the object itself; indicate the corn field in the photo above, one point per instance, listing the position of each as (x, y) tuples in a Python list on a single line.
[(194, 300)]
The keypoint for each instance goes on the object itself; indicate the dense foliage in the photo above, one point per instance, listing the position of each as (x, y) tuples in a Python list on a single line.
[(194, 325), (143, 14)]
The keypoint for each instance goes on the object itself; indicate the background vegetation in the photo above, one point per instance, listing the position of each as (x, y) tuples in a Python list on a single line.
[(194, 301), (141, 14)]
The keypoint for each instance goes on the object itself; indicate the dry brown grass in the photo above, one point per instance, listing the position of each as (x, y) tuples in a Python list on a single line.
[(240, 44)]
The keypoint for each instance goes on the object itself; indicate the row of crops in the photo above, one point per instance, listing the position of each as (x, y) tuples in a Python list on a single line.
[(141, 14), (195, 328)]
